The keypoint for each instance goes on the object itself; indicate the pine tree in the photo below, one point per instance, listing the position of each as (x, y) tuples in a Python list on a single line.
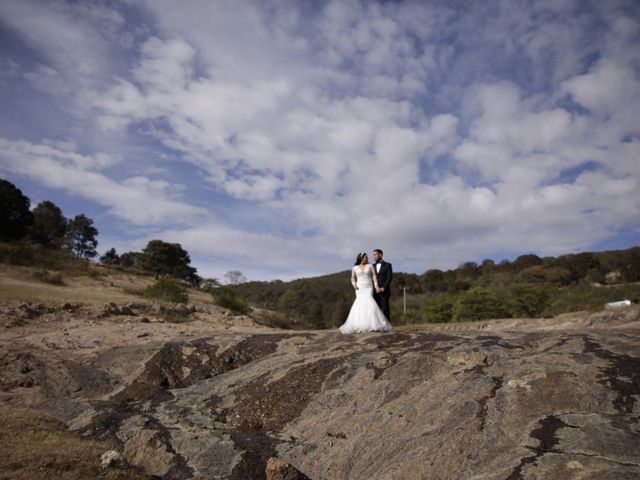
[(81, 237), (15, 216)]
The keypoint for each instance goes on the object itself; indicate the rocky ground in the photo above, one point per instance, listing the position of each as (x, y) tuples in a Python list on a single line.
[(198, 393)]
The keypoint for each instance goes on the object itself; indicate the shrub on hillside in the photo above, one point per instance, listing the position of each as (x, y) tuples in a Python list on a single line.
[(94, 274), (110, 257), (48, 277), (438, 309), (477, 304), (227, 298), (166, 289), (16, 253), (526, 300), (34, 255)]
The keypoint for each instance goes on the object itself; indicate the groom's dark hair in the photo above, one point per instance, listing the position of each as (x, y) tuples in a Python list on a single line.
[(379, 251)]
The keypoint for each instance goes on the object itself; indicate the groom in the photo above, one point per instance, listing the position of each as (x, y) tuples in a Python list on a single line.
[(385, 275)]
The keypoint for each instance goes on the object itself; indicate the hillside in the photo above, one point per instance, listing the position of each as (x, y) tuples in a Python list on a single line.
[(197, 391), (528, 286)]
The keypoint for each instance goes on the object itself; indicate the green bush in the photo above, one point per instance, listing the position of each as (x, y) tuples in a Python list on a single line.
[(94, 274), (526, 300), (227, 298), (168, 290), (48, 277), (25, 254), (438, 309), (477, 304)]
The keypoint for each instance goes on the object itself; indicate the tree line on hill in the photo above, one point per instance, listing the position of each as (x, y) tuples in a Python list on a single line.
[(529, 286), (46, 227), (158, 257), (45, 224)]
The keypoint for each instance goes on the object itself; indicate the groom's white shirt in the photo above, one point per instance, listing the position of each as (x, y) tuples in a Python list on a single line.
[(378, 265)]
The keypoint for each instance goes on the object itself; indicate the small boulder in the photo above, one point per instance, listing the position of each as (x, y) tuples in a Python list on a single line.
[(70, 307), (108, 310), (278, 469), (113, 459)]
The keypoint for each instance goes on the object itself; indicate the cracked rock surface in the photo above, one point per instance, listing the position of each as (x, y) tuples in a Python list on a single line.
[(200, 398)]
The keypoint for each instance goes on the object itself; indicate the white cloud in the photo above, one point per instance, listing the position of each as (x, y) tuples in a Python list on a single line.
[(327, 160), (49, 80), (72, 36), (606, 89), (331, 117), (137, 200)]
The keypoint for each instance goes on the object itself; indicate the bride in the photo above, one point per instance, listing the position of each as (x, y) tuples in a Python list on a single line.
[(365, 315)]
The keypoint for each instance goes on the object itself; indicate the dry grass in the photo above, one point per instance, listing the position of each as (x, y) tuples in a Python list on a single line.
[(18, 284), (103, 285), (35, 447), (48, 277)]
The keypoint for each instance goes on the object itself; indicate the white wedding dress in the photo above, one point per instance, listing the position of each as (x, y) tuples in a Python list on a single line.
[(365, 315)]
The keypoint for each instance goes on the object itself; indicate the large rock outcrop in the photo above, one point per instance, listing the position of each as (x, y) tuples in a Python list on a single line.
[(511, 400)]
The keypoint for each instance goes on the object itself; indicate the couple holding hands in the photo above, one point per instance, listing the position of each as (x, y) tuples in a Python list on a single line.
[(370, 309)]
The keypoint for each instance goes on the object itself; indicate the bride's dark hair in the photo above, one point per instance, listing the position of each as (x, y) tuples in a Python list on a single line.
[(359, 258)]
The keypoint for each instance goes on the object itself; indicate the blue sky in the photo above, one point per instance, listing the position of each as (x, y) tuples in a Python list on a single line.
[(280, 138)]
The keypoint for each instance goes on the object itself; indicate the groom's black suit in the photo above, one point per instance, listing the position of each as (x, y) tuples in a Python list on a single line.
[(385, 275)]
